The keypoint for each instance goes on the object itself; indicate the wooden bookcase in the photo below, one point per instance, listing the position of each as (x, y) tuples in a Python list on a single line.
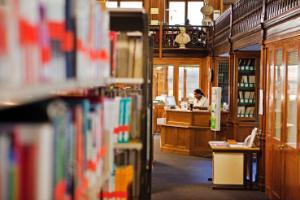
[(222, 71), (245, 83)]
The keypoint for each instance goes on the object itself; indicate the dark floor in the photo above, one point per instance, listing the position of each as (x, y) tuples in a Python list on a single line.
[(178, 177)]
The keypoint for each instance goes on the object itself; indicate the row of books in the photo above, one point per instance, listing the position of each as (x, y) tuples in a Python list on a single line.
[(247, 79), (246, 95), (246, 64), (124, 118), (118, 186), (58, 156), (127, 55), (244, 111), (39, 44)]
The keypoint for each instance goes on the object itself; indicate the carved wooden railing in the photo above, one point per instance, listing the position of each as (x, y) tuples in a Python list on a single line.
[(154, 32), (223, 22), (222, 27), (275, 8), (198, 36), (247, 15)]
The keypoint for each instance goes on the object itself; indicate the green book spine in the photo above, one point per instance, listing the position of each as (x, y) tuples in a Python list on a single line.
[(127, 118), (121, 117)]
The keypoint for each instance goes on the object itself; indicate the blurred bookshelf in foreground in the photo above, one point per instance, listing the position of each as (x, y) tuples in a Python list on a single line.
[(68, 111)]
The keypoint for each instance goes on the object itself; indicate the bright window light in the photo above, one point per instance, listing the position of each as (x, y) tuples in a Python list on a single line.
[(131, 4), (176, 13), (194, 14)]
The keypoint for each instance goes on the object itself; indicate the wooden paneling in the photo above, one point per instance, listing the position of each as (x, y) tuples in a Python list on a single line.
[(199, 142), (247, 39), (283, 30), (191, 133), (290, 174), (175, 140), (201, 119), (243, 129), (276, 170), (179, 118), (282, 161)]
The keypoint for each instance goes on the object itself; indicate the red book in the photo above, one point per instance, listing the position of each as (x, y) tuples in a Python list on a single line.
[(27, 172)]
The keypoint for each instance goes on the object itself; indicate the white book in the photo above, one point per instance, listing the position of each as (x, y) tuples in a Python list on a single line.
[(138, 61), (247, 95), (131, 56), (241, 95)]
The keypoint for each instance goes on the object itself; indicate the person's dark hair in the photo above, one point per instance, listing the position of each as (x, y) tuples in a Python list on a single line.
[(198, 91)]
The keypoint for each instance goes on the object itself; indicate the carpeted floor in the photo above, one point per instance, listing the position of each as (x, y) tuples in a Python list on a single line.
[(178, 177)]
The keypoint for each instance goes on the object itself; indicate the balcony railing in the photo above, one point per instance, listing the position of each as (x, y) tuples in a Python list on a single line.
[(164, 37), (247, 15)]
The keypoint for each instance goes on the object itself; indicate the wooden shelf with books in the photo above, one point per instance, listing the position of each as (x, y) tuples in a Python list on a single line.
[(223, 71), (246, 87), (129, 81), (134, 145), (20, 96), (245, 68), (59, 112)]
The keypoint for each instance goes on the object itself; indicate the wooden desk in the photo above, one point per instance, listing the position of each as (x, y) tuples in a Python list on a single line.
[(231, 164), (187, 132)]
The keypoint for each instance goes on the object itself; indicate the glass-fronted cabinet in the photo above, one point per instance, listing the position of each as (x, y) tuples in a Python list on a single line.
[(223, 80), (278, 95), (247, 76), (292, 96)]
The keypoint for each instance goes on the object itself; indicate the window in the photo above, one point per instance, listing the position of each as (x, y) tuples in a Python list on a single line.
[(111, 4), (163, 80), (124, 4), (177, 13), (185, 12), (194, 14), (131, 4), (188, 81)]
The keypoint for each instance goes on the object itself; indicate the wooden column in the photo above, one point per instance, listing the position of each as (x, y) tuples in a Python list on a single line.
[(160, 40), (147, 6), (262, 118)]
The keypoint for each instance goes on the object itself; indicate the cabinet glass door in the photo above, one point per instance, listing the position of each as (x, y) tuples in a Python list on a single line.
[(278, 96), (271, 91), (292, 93)]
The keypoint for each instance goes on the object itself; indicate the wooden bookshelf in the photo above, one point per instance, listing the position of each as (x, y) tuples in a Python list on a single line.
[(129, 146), (130, 81), (29, 94)]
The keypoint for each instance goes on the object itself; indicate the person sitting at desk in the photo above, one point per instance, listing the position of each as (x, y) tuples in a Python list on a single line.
[(200, 100)]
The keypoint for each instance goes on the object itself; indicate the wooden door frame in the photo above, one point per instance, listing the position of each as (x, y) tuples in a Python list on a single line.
[(176, 62)]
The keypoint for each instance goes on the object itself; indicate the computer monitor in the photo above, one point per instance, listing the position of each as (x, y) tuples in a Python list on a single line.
[(170, 101)]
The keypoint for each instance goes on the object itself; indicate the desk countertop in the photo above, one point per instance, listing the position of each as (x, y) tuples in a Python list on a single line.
[(224, 146), (194, 111)]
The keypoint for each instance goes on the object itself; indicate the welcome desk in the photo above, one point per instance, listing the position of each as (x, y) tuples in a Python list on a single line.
[(188, 132)]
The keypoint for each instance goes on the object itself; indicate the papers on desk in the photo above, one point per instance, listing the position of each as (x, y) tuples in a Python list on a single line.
[(218, 144), (226, 144)]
